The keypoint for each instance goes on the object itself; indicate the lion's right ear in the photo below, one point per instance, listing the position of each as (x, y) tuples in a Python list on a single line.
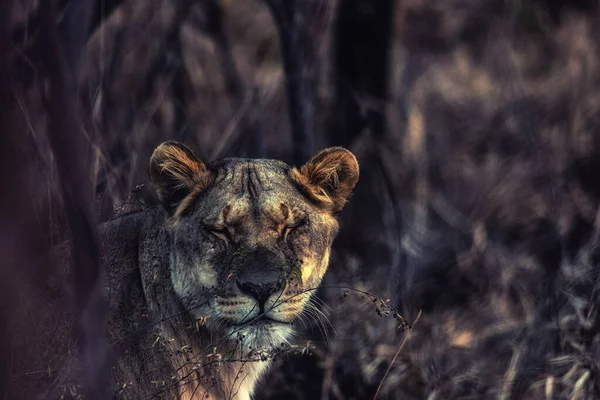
[(176, 172)]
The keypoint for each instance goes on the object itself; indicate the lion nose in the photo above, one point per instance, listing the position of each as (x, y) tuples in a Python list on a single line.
[(260, 292)]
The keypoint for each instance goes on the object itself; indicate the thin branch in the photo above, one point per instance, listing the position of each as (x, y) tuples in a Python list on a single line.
[(408, 333)]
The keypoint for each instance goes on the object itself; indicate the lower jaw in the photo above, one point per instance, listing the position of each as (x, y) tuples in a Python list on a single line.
[(261, 321), (262, 335)]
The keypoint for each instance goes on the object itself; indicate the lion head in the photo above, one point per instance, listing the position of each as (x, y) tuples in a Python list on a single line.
[(250, 238)]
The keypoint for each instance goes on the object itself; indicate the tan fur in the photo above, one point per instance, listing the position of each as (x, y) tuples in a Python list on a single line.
[(229, 226), (328, 178), (174, 167)]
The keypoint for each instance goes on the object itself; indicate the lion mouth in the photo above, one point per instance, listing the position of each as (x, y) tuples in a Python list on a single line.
[(262, 320), (270, 320)]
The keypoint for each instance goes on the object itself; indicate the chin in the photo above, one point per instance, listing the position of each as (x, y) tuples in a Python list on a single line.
[(263, 334)]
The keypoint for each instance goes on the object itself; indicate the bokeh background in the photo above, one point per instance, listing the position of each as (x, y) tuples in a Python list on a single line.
[(476, 125)]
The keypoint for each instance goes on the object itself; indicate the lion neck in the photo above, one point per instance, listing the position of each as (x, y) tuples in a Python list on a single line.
[(202, 370), (231, 381)]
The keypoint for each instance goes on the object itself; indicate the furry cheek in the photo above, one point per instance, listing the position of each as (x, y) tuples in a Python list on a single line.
[(313, 270), (289, 312), (191, 280)]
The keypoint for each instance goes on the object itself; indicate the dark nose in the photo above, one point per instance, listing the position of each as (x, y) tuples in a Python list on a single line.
[(260, 292)]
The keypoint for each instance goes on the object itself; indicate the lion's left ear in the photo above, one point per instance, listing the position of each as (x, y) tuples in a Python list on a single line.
[(329, 177), (175, 172)]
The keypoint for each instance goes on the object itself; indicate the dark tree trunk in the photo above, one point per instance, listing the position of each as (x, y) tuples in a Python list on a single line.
[(61, 53), (9, 202), (361, 67), (361, 76), (298, 24)]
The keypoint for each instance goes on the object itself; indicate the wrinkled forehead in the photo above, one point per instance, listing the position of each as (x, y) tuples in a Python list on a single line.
[(261, 188)]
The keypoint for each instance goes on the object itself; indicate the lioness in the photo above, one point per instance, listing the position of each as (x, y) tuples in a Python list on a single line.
[(202, 290)]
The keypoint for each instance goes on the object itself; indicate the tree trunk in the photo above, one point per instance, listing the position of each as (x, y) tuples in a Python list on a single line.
[(361, 68)]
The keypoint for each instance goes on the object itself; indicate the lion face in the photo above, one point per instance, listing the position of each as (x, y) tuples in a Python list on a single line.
[(250, 238)]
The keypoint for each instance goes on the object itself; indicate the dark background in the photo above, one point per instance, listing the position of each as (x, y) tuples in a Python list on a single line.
[(475, 123)]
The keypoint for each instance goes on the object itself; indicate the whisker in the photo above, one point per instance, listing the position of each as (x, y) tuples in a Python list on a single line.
[(323, 318), (303, 321), (317, 318)]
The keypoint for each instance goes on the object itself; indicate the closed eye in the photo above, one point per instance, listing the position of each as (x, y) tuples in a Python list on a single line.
[(219, 232), (290, 228)]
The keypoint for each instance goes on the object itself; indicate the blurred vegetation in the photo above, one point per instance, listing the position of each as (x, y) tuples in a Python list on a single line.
[(476, 126)]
